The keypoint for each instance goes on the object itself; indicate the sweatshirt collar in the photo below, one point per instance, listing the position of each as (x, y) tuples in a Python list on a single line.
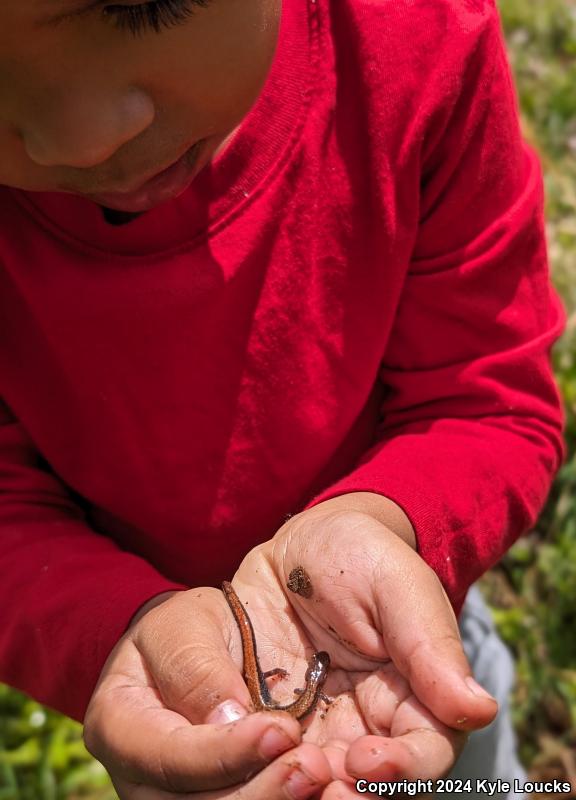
[(262, 143)]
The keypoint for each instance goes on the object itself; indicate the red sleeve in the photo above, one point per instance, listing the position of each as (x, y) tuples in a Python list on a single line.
[(471, 433), (67, 594)]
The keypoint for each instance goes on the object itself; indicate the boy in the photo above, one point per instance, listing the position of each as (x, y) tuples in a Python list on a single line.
[(261, 259)]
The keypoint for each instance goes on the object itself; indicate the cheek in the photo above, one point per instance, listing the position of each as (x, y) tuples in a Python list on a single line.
[(16, 170), (203, 77), (215, 72)]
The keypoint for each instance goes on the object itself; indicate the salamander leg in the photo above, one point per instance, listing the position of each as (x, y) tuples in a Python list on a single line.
[(276, 671)]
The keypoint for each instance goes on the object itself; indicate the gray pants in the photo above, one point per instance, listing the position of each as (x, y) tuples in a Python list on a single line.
[(491, 752)]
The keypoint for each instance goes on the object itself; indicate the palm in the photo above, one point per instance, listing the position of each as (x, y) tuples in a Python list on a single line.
[(360, 696), (372, 597)]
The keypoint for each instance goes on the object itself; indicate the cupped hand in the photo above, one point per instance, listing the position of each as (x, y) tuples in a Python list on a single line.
[(168, 718), (402, 693)]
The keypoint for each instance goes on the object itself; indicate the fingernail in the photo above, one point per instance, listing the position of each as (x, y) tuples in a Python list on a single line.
[(299, 785), (274, 742), (228, 711), (476, 689)]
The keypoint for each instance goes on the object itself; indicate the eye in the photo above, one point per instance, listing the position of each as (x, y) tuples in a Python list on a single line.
[(154, 15)]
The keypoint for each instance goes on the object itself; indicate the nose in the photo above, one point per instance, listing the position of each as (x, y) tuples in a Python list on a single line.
[(85, 130)]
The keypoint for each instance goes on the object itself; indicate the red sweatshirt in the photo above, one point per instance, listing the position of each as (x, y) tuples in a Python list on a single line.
[(353, 297)]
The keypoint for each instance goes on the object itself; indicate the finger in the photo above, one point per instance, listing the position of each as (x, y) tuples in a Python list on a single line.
[(134, 736), (295, 776), (391, 711), (379, 695), (186, 645), (419, 748), (336, 751), (340, 790), (421, 635)]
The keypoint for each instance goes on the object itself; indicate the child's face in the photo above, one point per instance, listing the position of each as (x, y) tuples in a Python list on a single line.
[(94, 100)]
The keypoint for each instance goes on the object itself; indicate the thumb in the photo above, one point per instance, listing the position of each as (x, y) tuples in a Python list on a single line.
[(169, 676), (185, 643), (422, 638)]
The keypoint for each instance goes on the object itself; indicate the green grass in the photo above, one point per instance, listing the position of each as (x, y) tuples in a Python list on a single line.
[(533, 593), (42, 756)]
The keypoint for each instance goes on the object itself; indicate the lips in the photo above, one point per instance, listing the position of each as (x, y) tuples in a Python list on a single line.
[(156, 190)]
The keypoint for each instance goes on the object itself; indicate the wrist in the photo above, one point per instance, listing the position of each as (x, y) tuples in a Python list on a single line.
[(377, 506)]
